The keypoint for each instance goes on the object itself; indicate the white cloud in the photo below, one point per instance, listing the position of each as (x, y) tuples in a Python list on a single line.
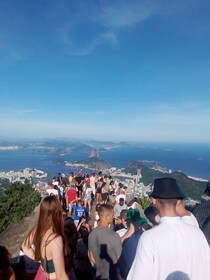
[(108, 21), (114, 17), (104, 21), (121, 14), (108, 38)]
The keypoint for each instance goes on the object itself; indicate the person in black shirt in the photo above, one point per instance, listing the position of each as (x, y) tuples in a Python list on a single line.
[(207, 190)]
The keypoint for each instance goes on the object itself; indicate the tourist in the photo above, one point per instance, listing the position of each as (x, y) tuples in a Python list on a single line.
[(134, 217), (6, 271), (202, 214), (99, 175), (105, 245), (207, 190), (30, 267), (104, 193), (64, 179), (121, 194), (108, 180), (96, 215), (47, 237), (119, 207), (79, 183), (71, 236), (78, 211), (51, 190), (82, 265), (71, 197), (93, 183), (87, 195), (83, 225), (71, 176), (173, 247), (59, 188), (59, 178), (112, 192), (152, 215), (122, 227), (130, 240), (186, 216), (98, 189)]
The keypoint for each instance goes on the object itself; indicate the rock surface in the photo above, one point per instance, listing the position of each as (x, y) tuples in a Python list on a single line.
[(13, 237)]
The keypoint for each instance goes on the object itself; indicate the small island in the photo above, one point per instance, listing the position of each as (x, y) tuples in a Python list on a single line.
[(93, 162)]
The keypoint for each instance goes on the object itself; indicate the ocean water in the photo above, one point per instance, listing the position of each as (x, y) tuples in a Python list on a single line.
[(192, 159), (39, 159)]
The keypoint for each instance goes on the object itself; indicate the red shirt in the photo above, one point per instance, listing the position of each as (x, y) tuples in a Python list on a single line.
[(71, 194)]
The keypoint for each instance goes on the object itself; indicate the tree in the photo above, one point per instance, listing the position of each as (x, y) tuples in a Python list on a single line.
[(4, 183), (17, 201), (144, 202)]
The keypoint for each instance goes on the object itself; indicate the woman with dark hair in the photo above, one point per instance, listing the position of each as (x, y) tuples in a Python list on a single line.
[(104, 193), (137, 225), (82, 265), (47, 239), (6, 271), (152, 215)]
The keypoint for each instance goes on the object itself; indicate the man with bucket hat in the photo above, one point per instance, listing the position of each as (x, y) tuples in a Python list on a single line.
[(173, 249)]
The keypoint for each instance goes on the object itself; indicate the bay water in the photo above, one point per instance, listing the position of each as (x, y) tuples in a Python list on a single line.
[(192, 159)]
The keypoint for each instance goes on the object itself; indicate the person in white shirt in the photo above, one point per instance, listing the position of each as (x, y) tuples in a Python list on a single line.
[(93, 183), (120, 195), (87, 197), (173, 249), (186, 216), (119, 207), (52, 190)]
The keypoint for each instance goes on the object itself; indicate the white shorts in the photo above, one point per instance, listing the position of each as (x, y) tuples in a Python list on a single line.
[(93, 187)]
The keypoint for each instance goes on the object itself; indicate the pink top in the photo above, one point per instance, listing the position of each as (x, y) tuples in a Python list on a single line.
[(92, 180)]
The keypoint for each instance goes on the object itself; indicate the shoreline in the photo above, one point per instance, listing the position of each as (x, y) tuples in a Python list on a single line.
[(14, 160), (74, 165), (197, 179)]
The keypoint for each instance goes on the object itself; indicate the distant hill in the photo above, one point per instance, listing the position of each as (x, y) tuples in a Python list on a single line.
[(96, 163), (94, 153), (65, 145), (152, 170)]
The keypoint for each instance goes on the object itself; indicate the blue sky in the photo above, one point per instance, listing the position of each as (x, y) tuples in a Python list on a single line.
[(106, 70)]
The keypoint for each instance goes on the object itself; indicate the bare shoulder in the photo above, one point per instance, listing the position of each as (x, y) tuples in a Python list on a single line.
[(56, 241)]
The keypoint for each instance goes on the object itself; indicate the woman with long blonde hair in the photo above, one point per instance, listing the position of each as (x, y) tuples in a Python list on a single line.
[(45, 241)]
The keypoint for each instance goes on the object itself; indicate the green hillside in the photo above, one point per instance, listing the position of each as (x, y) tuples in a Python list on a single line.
[(96, 163), (191, 188), (16, 202)]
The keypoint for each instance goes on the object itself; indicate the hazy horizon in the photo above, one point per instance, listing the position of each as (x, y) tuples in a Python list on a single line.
[(83, 140)]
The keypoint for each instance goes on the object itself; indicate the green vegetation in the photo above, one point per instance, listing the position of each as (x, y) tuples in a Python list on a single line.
[(148, 174), (151, 171), (144, 202), (16, 202), (4, 183), (95, 162)]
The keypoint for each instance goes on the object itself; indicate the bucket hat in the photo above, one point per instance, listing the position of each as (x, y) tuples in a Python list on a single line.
[(134, 216), (166, 188)]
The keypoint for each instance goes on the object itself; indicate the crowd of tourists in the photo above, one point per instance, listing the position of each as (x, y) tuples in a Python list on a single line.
[(88, 228)]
